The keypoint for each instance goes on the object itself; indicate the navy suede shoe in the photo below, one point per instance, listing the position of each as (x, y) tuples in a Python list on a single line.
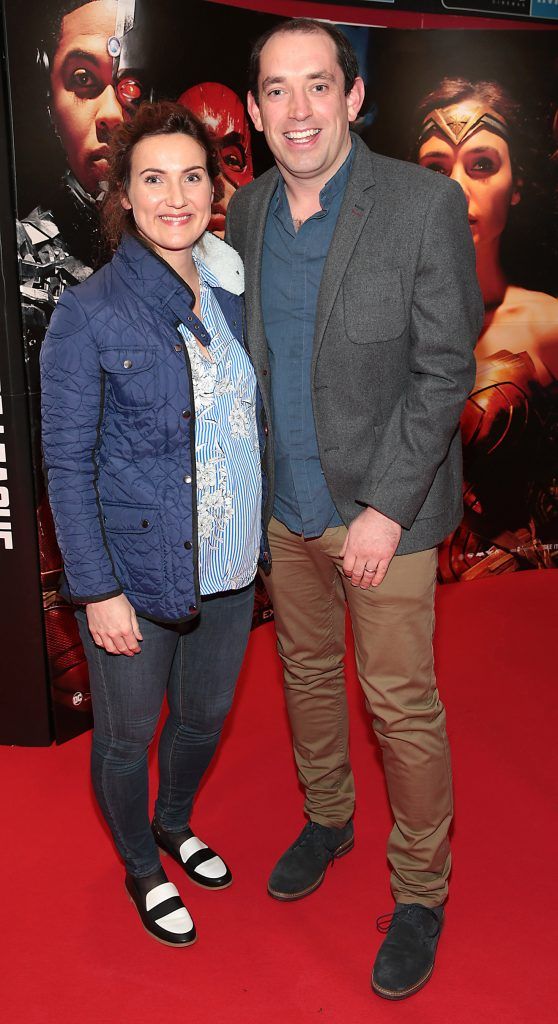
[(405, 959), (302, 867)]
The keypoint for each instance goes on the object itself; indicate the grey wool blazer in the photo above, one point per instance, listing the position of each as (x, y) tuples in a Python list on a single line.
[(399, 312)]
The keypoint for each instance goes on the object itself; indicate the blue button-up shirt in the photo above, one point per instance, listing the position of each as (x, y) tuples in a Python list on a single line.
[(292, 266)]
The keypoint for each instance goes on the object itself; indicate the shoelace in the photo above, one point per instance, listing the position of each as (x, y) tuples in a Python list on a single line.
[(384, 921), (309, 835), (304, 837)]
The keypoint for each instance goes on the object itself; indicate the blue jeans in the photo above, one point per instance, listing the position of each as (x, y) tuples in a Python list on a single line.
[(197, 667)]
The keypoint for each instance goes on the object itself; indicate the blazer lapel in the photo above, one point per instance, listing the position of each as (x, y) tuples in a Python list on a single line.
[(255, 230), (357, 204)]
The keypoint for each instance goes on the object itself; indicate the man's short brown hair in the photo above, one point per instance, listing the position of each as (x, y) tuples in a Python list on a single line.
[(346, 56)]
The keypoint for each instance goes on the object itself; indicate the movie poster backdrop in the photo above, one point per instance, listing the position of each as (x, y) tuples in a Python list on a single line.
[(77, 69)]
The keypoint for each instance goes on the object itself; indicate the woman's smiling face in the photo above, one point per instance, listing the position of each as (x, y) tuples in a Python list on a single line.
[(170, 192), (482, 166)]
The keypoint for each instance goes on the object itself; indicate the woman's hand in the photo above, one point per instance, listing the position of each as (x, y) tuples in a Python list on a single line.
[(113, 625)]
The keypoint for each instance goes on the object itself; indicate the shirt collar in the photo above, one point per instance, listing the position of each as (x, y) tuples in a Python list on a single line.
[(338, 183), (331, 189), (205, 274)]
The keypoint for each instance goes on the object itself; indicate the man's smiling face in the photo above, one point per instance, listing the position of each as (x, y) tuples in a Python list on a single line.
[(302, 107)]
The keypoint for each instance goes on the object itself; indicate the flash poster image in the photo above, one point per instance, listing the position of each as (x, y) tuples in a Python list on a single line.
[(478, 106)]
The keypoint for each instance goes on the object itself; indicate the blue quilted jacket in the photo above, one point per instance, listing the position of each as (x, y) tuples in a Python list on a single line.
[(119, 429)]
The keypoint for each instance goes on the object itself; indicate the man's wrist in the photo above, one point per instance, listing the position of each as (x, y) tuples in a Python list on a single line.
[(372, 513)]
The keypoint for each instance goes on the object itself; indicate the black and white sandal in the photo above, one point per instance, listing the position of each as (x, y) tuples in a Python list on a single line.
[(162, 911), (202, 865)]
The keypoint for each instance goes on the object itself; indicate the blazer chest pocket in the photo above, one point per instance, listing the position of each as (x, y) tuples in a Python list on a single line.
[(373, 305), (132, 376)]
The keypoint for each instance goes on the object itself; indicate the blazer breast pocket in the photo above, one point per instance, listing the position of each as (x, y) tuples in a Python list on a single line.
[(374, 309)]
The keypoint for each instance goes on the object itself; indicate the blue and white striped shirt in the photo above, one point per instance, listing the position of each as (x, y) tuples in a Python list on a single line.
[(228, 469)]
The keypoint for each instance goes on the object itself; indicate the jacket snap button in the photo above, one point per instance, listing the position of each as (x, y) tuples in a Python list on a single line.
[(178, 348), (186, 414), (187, 544), (145, 523), (266, 430), (187, 479), (190, 318), (127, 364)]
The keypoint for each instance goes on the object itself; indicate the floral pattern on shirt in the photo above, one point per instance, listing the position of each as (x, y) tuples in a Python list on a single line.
[(228, 473)]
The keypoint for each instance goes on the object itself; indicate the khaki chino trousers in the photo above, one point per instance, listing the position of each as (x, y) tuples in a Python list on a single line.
[(392, 628)]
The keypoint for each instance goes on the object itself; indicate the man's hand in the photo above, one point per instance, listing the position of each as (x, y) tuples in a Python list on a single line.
[(114, 626), (369, 547)]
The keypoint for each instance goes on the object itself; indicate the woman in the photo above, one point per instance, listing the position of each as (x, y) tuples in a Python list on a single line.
[(472, 132), (151, 446)]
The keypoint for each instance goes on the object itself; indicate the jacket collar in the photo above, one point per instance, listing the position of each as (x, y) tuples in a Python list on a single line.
[(356, 208), (223, 261), (152, 279)]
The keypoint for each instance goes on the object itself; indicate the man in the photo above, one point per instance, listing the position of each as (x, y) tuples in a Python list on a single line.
[(95, 82), (363, 311), (93, 57)]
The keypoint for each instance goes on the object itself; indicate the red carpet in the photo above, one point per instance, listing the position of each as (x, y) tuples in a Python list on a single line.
[(74, 949)]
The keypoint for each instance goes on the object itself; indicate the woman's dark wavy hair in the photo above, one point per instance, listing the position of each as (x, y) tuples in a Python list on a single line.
[(163, 118), (527, 245)]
